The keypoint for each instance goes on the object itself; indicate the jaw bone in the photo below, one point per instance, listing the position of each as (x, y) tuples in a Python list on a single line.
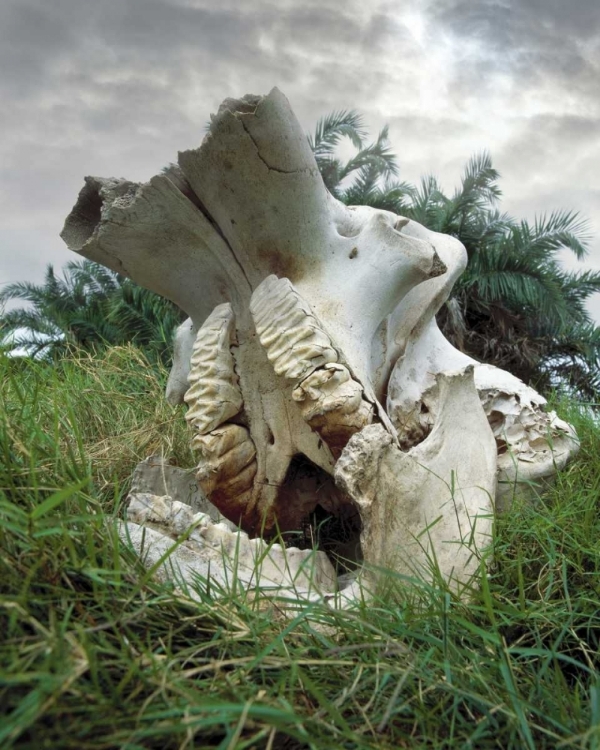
[(188, 546)]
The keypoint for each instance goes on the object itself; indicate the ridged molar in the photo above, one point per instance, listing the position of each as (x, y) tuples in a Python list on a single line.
[(297, 345), (332, 403), (214, 395), (227, 468), (295, 342)]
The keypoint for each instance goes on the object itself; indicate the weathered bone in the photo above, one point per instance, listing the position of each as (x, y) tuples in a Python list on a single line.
[(183, 345), (532, 444), (427, 512), (248, 203), (334, 314), (213, 552)]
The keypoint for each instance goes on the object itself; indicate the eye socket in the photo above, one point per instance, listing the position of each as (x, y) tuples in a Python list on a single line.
[(349, 230), (402, 222)]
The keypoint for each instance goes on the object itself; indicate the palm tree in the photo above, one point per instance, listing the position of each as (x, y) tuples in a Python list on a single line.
[(358, 180), (515, 306), (90, 307), (146, 319)]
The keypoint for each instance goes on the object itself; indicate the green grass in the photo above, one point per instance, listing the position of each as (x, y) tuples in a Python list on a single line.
[(94, 654)]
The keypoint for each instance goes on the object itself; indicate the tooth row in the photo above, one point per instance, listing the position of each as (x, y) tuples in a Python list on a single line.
[(294, 341), (333, 405), (213, 395), (227, 463), (227, 468), (330, 400), (234, 559)]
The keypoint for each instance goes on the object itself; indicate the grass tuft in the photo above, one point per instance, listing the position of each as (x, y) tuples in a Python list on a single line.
[(95, 655)]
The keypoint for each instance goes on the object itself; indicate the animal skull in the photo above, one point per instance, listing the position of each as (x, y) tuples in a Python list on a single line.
[(312, 334)]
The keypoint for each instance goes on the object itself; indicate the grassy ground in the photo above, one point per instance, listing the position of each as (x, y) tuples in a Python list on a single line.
[(93, 654)]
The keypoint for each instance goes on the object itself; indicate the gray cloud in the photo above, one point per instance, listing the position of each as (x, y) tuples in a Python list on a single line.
[(540, 42), (116, 87)]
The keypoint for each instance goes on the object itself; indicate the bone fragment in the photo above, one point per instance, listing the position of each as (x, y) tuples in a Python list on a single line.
[(532, 444), (212, 553), (427, 512), (183, 345)]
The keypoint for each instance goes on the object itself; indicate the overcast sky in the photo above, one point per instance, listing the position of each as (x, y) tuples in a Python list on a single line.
[(117, 87)]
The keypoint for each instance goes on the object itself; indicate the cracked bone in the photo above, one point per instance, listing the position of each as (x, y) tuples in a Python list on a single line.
[(217, 553), (347, 338), (247, 204), (428, 510)]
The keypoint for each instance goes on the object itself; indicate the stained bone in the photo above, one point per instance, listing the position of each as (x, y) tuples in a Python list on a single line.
[(334, 315)]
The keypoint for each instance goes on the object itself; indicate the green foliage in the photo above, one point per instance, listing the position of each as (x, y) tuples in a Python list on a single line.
[(95, 654), (370, 163), (85, 416), (515, 306), (90, 307)]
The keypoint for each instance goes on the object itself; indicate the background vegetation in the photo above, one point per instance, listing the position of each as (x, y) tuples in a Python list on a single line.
[(90, 308)]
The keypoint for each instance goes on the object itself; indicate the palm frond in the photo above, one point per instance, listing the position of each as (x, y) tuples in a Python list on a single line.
[(558, 230), (378, 156), (331, 128), (90, 307)]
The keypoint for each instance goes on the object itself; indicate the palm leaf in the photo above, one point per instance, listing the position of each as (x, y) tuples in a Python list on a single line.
[(331, 128)]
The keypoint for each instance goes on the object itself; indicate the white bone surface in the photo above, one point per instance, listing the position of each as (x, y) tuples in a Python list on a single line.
[(194, 547), (312, 336)]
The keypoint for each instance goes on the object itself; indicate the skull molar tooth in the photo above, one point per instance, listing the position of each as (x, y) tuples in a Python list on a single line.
[(227, 463), (300, 349), (295, 342), (227, 468), (332, 403), (214, 395)]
